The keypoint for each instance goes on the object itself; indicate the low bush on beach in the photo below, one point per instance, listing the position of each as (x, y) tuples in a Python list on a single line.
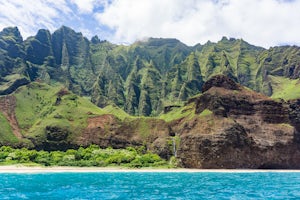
[(83, 157)]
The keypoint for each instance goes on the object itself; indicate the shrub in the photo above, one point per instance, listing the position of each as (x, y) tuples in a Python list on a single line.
[(56, 157), (43, 158), (90, 156)]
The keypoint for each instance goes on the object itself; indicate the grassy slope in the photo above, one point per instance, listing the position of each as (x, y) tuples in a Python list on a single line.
[(178, 113), (187, 112), (116, 111), (36, 109), (6, 133), (285, 88), (9, 80)]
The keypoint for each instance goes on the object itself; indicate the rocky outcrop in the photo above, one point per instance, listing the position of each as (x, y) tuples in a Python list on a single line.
[(56, 138), (108, 131), (245, 130), (221, 81), (294, 117)]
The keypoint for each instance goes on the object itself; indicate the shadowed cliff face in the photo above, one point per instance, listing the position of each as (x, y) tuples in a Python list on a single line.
[(245, 130), (294, 117)]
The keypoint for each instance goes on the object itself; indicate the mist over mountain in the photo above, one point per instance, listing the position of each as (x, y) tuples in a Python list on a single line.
[(146, 76)]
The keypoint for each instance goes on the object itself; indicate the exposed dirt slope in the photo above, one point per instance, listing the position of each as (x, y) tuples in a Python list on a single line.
[(7, 107)]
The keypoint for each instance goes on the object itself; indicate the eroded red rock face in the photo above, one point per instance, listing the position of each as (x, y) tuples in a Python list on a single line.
[(221, 81), (246, 130)]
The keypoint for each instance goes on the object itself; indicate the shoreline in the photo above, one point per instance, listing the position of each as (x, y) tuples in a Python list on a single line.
[(66, 169)]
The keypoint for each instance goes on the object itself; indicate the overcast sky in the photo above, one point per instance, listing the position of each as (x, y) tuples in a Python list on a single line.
[(260, 22)]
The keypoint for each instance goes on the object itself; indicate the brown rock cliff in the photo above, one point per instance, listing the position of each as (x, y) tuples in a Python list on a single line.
[(245, 130)]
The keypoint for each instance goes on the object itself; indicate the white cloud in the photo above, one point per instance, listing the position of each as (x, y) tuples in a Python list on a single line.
[(88, 6), (261, 22), (33, 15), (84, 6), (86, 32)]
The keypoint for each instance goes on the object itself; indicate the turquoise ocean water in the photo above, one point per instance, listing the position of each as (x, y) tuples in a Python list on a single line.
[(138, 185)]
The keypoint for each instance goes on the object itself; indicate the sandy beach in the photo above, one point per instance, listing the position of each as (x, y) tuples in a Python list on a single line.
[(59, 169)]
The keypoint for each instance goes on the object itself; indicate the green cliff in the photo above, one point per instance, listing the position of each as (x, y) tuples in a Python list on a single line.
[(146, 76)]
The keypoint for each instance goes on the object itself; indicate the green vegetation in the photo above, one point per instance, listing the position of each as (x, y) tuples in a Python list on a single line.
[(116, 111), (285, 88), (187, 111), (40, 105), (145, 76), (205, 113), (6, 134), (90, 156), (9, 80), (179, 112), (143, 128)]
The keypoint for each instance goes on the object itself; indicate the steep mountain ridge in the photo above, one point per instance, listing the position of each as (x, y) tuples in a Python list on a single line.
[(146, 76)]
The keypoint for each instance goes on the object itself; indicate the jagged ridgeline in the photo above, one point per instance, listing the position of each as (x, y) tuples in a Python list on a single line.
[(146, 76)]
